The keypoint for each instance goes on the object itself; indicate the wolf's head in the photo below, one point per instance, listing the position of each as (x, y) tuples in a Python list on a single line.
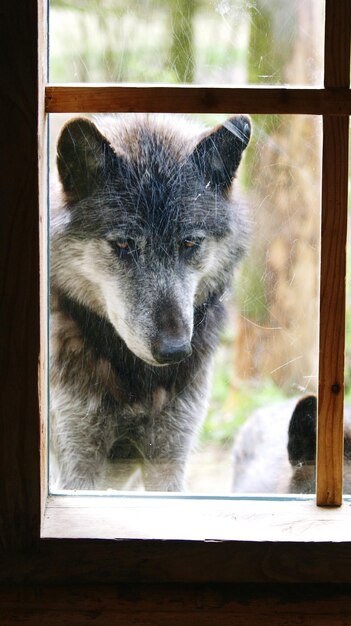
[(149, 229)]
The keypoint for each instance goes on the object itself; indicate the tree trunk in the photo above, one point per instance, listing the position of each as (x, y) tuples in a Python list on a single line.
[(278, 291), (182, 49)]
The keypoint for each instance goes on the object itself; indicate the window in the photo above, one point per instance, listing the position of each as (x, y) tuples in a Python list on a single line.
[(272, 328), (241, 554)]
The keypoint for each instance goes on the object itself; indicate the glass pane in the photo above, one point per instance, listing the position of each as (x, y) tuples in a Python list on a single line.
[(146, 238), (274, 42)]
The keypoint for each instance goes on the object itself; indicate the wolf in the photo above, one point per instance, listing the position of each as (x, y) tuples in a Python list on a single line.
[(275, 450), (146, 230)]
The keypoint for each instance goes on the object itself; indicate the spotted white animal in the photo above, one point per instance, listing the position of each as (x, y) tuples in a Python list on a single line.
[(275, 450)]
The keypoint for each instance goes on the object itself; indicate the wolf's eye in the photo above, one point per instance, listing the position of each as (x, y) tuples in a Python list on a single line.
[(123, 247), (189, 247)]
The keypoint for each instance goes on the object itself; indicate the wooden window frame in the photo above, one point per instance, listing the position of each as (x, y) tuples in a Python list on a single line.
[(69, 539)]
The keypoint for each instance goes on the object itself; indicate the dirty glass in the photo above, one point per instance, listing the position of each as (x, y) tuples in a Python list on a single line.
[(234, 42), (144, 268)]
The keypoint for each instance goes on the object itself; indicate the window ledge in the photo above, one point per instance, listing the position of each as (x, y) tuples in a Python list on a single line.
[(197, 518)]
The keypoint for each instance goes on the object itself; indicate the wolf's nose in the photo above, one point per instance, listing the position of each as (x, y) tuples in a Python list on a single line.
[(169, 350)]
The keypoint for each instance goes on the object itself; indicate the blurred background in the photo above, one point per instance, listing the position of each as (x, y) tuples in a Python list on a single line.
[(269, 350)]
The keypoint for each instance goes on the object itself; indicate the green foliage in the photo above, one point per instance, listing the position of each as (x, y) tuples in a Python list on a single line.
[(232, 406), (146, 41), (232, 400)]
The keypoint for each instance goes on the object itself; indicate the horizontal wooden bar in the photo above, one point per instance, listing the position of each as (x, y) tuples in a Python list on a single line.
[(82, 98), (134, 604), (89, 561)]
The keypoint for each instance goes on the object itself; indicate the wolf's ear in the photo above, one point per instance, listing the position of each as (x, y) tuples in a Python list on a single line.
[(218, 155), (83, 157), (302, 432)]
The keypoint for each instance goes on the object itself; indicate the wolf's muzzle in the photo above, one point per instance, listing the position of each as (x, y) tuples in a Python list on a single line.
[(169, 350)]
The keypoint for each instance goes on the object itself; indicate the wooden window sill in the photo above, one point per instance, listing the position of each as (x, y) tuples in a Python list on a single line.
[(176, 517)]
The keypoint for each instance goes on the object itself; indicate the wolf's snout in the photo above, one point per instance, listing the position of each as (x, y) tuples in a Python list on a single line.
[(171, 341), (169, 350)]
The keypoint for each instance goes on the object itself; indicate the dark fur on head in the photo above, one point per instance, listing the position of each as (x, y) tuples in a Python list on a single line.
[(302, 432), (144, 243)]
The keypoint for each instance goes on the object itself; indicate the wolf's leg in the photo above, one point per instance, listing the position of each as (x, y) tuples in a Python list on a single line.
[(168, 440), (163, 475), (81, 463), (166, 449), (80, 472), (78, 442)]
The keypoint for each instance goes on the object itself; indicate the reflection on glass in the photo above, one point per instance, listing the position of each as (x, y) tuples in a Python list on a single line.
[(277, 339), (174, 41), (145, 236)]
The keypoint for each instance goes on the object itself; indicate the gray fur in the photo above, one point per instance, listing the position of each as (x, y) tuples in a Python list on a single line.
[(145, 234)]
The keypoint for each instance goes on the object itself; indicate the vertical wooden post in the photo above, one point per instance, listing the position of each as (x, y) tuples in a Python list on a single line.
[(19, 269), (332, 311), (43, 246), (333, 261)]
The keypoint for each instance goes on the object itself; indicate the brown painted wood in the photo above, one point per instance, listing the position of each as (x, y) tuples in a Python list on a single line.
[(337, 43), (333, 262), (43, 245), (332, 311), (19, 278), (141, 605), (93, 562), (192, 99), (111, 561)]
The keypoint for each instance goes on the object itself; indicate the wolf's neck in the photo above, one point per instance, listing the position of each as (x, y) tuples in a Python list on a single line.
[(97, 332), (100, 336)]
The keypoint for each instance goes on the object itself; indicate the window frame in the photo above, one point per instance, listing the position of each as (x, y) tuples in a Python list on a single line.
[(233, 556)]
